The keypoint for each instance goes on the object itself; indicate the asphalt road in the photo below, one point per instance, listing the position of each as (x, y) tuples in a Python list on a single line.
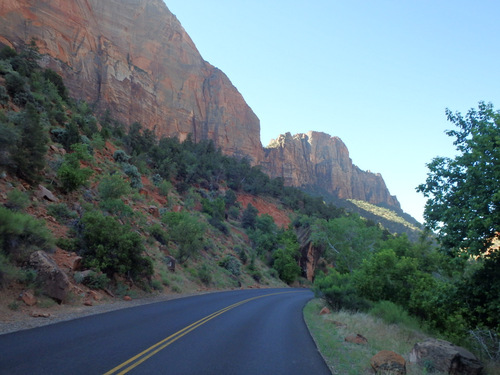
[(239, 332)]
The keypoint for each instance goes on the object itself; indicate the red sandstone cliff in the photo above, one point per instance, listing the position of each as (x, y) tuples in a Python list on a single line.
[(135, 59), (319, 160)]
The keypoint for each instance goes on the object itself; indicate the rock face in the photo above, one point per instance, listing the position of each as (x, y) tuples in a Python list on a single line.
[(319, 160), (440, 355), (55, 282), (134, 58)]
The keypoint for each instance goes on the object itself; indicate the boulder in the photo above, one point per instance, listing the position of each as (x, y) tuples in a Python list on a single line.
[(44, 193), (28, 298), (440, 355), (324, 311), (55, 282), (357, 339), (388, 362)]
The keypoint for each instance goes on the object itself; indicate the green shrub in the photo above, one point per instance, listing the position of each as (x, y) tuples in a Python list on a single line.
[(121, 156), (204, 274), (70, 174), (187, 232), (96, 280), (67, 244), (61, 212), (231, 264), (116, 207), (111, 247), (391, 313), (339, 292), (113, 187), (134, 174), (17, 200), (156, 230), (21, 234)]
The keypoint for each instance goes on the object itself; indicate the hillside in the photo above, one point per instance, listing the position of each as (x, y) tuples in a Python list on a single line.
[(135, 61)]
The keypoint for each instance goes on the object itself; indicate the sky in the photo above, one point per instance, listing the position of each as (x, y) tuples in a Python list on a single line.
[(377, 74)]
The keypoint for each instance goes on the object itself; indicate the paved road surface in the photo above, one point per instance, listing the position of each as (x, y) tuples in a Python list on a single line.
[(240, 332)]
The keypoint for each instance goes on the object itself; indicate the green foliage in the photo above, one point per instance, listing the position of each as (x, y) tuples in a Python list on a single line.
[(286, 257), (346, 240), (463, 197), (28, 154), (339, 291), (391, 313), (70, 174), (116, 207), (96, 280), (249, 217), (111, 247), (383, 212), (61, 212), (121, 156), (113, 187), (479, 295), (204, 274), (17, 200), (187, 232), (56, 79), (135, 177), (156, 230), (21, 235), (231, 264)]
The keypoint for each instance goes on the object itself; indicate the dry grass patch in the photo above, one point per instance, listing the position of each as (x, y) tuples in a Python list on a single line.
[(329, 332)]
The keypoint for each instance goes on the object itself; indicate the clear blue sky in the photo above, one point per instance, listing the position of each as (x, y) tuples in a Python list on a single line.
[(377, 74)]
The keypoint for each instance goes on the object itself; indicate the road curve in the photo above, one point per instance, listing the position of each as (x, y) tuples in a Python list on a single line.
[(259, 331)]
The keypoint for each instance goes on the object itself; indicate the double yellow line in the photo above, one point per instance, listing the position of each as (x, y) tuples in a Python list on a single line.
[(152, 350)]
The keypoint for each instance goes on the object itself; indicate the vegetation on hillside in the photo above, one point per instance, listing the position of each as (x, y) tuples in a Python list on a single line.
[(129, 202)]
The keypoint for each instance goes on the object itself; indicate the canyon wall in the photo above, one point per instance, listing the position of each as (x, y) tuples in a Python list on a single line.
[(320, 161), (134, 58)]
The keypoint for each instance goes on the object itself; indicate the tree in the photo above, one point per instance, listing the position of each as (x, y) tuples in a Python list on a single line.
[(187, 232), (29, 156), (464, 192)]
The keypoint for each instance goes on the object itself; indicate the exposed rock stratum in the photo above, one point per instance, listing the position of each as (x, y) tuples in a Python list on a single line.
[(133, 58)]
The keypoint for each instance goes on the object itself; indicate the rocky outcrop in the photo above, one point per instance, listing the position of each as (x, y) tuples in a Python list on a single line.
[(321, 161), (54, 281), (443, 356), (135, 59)]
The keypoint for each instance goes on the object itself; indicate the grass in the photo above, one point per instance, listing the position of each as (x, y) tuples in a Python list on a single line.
[(329, 332)]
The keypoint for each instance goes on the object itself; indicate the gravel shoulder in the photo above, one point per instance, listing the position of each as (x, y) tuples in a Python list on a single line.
[(30, 317)]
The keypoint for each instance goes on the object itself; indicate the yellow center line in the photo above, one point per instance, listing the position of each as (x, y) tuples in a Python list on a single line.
[(152, 350)]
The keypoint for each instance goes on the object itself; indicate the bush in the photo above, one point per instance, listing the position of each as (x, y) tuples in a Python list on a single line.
[(61, 212), (95, 280), (121, 156), (113, 187), (391, 313), (21, 235), (111, 247), (70, 174), (135, 177), (187, 232), (339, 292), (231, 264), (17, 200), (204, 274), (116, 207)]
